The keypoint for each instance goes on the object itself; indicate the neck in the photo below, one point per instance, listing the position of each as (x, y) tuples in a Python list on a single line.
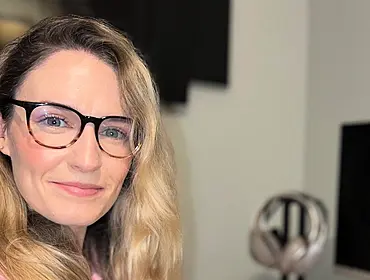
[(80, 232)]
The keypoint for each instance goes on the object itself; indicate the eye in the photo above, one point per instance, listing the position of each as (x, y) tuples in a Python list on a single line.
[(114, 133), (53, 121)]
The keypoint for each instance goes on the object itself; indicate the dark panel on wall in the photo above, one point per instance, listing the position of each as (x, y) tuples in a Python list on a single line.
[(181, 40)]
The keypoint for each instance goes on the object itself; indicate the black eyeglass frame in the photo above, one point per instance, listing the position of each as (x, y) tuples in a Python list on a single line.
[(29, 106)]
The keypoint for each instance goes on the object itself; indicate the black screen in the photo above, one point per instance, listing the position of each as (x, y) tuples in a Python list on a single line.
[(353, 227)]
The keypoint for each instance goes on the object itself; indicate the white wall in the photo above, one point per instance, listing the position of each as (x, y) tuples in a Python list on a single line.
[(237, 146), (339, 62)]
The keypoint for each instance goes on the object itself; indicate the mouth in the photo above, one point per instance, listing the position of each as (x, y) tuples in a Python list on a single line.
[(79, 189)]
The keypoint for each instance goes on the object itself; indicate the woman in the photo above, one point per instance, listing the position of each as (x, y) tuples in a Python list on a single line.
[(86, 172)]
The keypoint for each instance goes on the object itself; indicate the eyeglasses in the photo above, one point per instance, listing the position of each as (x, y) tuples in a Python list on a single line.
[(58, 126)]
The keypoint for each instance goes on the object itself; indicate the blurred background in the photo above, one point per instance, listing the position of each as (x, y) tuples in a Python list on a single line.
[(286, 75)]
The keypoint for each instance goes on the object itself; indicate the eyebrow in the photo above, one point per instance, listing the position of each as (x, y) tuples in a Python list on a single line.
[(78, 110), (57, 103)]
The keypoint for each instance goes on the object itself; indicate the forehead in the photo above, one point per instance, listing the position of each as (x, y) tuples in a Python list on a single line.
[(77, 79)]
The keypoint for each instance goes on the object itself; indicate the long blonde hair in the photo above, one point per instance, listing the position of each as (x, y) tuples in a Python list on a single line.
[(140, 237)]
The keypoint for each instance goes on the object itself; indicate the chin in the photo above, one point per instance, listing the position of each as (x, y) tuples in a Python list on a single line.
[(75, 220)]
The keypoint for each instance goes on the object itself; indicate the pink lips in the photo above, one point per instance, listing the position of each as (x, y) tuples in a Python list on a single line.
[(79, 189)]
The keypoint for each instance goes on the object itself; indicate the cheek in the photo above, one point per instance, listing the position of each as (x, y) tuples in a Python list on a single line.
[(28, 158), (34, 158), (116, 170)]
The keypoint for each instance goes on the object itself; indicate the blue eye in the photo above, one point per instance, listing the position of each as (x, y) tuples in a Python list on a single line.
[(54, 122), (114, 133)]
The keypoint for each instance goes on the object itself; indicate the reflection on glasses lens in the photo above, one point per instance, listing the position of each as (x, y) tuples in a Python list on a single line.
[(58, 127)]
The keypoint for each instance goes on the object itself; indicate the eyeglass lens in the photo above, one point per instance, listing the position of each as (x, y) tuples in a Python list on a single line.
[(55, 126)]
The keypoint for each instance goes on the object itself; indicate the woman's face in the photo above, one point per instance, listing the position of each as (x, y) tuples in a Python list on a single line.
[(82, 81)]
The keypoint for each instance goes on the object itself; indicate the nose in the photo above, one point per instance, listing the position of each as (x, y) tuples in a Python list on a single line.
[(86, 154)]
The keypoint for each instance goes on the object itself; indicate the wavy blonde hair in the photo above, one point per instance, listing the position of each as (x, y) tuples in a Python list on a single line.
[(140, 237)]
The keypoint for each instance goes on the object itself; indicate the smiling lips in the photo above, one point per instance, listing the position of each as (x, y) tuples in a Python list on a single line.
[(79, 189)]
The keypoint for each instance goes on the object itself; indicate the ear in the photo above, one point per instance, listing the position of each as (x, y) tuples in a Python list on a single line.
[(4, 147)]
